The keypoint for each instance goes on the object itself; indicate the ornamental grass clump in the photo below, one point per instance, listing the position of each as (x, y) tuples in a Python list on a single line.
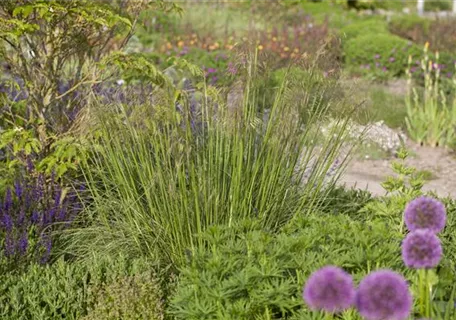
[(170, 172), (382, 295), (329, 289)]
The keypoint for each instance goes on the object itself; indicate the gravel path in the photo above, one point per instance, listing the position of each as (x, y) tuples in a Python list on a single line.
[(368, 174)]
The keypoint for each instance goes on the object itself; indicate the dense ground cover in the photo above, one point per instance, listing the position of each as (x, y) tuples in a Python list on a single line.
[(165, 162)]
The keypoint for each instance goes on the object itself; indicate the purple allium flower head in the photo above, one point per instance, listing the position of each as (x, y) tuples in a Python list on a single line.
[(377, 56), (421, 249), (392, 59), (382, 295), (425, 213), (329, 289)]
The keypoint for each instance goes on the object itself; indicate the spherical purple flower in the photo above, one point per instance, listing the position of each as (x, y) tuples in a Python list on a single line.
[(330, 289), (425, 213), (382, 295), (421, 249)]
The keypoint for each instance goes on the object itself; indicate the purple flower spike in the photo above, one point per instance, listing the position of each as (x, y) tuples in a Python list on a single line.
[(425, 213), (329, 289), (7, 222), (8, 200), (421, 249), (18, 189), (23, 243), (9, 245), (382, 295)]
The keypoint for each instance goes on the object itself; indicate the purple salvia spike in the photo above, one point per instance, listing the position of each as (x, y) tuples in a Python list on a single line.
[(8, 200), (57, 196), (35, 217), (30, 165), (18, 189), (7, 222), (47, 244), (9, 245), (23, 243)]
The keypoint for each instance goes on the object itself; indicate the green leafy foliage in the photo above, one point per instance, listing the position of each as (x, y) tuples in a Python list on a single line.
[(385, 57), (129, 298), (363, 27), (255, 274), (71, 290)]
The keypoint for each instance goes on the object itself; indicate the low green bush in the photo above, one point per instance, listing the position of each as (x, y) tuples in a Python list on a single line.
[(421, 30), (441, 5), (129, 298), (255, 274), (387, 56), (409, 26), (70, 290), (363, 27)]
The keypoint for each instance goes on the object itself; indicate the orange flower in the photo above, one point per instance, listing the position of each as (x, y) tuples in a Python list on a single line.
[(180, 44)]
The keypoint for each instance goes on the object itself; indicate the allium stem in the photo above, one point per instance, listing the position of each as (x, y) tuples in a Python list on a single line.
[(425, 294)]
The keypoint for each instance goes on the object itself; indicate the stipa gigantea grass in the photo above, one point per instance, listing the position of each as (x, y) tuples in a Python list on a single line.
[(158, 181)]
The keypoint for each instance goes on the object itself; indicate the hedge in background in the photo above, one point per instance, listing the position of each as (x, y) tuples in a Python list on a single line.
[(382, 53)]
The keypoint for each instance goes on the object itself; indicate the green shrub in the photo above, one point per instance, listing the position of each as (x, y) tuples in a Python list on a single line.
[(421, 30), (363, 28), (257, 275), (384, 53), (70, 290), (440, 5), (408, 26), (129, 298)]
